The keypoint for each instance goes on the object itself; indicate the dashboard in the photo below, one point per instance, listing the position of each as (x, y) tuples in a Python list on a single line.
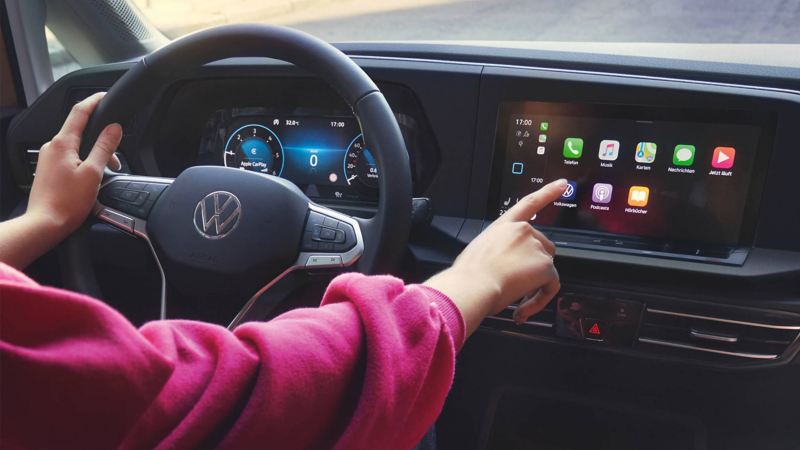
[(663, 173), (677, 239)]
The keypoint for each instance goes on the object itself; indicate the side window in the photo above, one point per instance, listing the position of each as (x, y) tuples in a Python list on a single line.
[(60, 59), (8, 92)]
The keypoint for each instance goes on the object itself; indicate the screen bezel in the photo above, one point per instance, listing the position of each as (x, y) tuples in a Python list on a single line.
[(660, 247)]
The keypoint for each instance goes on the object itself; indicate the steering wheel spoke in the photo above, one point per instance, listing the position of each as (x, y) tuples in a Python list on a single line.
[(330, 239), (125, 201)]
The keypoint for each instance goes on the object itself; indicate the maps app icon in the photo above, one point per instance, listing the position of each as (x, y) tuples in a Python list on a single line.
[(646, 152)]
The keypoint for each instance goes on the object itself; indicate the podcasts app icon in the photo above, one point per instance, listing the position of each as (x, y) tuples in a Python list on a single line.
[(601, 193)]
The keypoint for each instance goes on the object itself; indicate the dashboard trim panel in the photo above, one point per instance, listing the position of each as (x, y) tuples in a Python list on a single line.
[(718, 319), (707, 350), (576, 71)]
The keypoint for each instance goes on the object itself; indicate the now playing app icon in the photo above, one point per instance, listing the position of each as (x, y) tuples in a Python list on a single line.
[(601, 193)]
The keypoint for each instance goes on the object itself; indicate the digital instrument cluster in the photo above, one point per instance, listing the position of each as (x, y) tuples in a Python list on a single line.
[(325, 156)]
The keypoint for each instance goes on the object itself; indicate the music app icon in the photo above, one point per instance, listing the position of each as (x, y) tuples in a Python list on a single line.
[(609, 150)]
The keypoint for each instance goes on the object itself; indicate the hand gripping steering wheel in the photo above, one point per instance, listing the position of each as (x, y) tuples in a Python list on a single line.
[(233, 234)]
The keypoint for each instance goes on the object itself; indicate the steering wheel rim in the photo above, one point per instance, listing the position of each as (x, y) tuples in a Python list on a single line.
[(385, 234)]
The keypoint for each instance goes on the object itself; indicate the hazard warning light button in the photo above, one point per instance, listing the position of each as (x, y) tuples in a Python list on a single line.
[(593, 329)]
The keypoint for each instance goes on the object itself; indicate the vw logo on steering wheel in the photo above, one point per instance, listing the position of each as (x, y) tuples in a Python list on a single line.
[(217, 215)]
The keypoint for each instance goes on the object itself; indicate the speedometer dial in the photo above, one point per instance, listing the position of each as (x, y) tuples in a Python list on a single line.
[(255, 147), (360, 166)]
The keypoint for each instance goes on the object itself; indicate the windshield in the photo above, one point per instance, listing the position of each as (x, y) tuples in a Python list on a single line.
[(686, 21), (763, 32)]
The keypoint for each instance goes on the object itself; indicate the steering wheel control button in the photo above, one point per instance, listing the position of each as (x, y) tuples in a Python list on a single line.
[(155, 188), (129, 196), (137, 185), (315, 219), (118, 220), (135, 198), (345, 237), (339, 237), (330, 222), (327, 234), (321, 261)]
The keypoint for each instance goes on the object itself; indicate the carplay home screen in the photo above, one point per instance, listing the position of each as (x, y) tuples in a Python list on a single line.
[(669, 174)]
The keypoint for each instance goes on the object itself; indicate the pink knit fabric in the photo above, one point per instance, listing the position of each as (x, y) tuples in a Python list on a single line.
[(368, 369)]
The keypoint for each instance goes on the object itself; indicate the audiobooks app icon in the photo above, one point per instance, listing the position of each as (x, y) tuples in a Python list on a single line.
[(638, 196)]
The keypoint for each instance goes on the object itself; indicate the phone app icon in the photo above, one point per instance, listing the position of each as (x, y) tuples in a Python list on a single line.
[(683, 155), (609, 150), (573, 147), (570, 192), (638, 196), (723, 157), (601, 193), (646, 152)]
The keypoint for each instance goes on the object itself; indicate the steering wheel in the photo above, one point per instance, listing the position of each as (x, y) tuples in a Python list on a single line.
[(234, 234)]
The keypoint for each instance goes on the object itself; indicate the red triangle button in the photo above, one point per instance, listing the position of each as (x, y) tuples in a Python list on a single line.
[(595, 329)]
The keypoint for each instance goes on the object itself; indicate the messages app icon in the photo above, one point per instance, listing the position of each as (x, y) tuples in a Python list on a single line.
[(646, 152), (683, 155)]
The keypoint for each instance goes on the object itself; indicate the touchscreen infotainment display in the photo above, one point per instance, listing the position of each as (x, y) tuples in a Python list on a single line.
[(667, 175)]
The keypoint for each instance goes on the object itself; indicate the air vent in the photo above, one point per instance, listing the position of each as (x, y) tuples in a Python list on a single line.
[(715, 338), (540, 324), (31, 159)]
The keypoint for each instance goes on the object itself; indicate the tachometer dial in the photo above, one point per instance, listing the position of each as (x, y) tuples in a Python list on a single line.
[(359, 164), (255, 147)]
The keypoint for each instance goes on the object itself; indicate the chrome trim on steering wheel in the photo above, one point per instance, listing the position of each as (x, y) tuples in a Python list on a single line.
[(135, 226), (311, 260)]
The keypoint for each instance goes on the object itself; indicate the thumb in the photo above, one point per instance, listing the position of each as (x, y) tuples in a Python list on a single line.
[(104, 148)]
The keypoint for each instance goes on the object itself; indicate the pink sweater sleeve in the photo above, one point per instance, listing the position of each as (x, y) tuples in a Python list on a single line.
[(368, 369)]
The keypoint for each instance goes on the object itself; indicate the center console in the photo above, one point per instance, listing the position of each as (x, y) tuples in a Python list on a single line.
[(672, 235), (660, 327)]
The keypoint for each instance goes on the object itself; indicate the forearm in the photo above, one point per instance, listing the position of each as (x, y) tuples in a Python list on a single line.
[(27, 237), (369, 369), (473, 298)]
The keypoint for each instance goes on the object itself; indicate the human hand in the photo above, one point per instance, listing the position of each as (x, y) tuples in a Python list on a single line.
[(65, 188), (507, 261)]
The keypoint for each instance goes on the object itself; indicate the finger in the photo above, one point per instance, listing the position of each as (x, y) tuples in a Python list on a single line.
[(114, 163), (548, 245), (78, 117), (104, 148), (536, 303), (532, 203)]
